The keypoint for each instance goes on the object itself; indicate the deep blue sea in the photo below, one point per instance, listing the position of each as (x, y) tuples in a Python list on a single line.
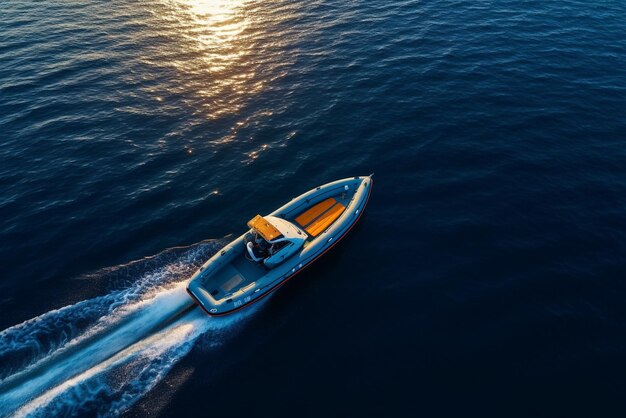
[(487, 278)]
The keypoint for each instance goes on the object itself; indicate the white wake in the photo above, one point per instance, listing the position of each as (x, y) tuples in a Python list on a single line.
[(101, 355)]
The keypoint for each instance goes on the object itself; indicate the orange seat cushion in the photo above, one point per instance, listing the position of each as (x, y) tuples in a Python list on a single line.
[(305, 218), (324, 221)]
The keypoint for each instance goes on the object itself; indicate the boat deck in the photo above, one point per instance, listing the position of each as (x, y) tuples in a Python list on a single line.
[(250, 270), (232, 277), (241, 271)]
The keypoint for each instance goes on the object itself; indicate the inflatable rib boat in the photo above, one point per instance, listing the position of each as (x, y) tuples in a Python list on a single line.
[(279, 245)]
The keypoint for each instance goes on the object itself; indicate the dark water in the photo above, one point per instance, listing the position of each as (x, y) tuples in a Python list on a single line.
[(487, 278)]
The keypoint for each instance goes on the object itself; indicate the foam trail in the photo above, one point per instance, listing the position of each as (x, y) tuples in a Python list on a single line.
[(149, 359), (143, 320), (25, 344), (106, 359)]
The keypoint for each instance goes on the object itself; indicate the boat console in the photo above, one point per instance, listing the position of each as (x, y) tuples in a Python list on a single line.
[(272, 240)]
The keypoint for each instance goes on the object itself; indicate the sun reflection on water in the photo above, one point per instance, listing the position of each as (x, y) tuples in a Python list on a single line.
[(218, 23), (214, 59), (216, 62)]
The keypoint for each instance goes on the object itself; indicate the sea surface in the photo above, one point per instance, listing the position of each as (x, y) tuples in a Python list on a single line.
[(487, 278)]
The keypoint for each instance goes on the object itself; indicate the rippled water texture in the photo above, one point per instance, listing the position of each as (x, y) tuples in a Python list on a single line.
[(485, 280)]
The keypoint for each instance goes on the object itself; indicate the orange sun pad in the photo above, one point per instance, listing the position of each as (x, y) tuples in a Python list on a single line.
[(324, 221), (305, 218)]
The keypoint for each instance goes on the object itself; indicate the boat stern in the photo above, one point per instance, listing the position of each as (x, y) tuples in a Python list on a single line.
[(202, 297)]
